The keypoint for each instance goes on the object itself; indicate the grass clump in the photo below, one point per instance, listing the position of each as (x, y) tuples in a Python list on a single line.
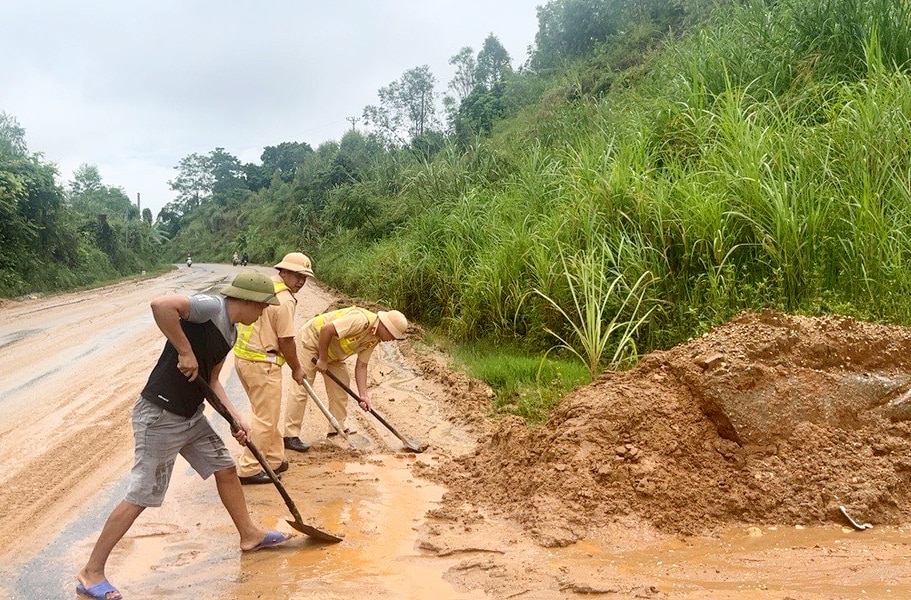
[(526, 384)]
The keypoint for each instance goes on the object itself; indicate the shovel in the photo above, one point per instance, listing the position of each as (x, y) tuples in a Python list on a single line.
[(297, 523), (332, 420), (409, 443)]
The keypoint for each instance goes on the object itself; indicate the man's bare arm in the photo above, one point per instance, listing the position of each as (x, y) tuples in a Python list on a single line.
[(168, 311)]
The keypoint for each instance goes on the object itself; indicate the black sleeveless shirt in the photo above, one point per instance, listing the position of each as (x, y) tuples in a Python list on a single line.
[(170, 389)]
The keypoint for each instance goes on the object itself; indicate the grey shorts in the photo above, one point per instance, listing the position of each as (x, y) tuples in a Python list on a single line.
[(160, 436)]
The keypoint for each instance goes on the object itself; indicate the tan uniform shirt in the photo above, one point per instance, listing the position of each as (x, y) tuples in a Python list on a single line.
[(353, 326), (277, 321)]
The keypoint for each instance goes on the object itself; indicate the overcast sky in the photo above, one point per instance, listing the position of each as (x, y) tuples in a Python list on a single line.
[(134, 86)]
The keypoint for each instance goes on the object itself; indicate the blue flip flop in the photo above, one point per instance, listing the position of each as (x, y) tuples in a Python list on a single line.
[(99, 590), (273, 538)]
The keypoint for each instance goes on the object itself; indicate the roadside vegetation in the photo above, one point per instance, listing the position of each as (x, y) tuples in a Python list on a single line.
[(653, 169), (55, 238)]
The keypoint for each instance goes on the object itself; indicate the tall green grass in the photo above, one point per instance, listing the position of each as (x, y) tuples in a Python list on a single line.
[(765, 162), (596, 322)]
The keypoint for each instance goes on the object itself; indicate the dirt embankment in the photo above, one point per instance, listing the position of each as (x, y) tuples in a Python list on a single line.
[(769, 419)]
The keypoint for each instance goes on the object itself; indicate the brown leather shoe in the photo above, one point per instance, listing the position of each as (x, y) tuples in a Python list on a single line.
[(297, 444)]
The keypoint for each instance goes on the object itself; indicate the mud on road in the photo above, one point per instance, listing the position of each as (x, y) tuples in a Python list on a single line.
[(713, 470)]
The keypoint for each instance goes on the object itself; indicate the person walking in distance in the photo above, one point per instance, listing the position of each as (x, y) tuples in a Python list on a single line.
[(323, 344), (168, 418), (259, 353)]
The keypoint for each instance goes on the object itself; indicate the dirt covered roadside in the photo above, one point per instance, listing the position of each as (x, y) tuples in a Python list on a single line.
[(713, 470), (768, 425)]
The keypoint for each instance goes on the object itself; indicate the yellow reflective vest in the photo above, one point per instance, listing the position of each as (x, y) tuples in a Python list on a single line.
[(244, 332), (353, 343)]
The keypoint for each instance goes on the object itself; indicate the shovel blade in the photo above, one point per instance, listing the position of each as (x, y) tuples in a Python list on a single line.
[(413, 445), (314, 532)]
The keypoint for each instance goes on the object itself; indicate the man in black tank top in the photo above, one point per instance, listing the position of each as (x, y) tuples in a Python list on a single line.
[(168, 417)]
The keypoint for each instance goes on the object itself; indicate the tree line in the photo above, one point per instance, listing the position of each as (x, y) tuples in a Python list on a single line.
[(56, 237)]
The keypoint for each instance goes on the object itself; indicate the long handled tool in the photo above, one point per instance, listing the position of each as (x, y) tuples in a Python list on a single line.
[(322, 407), (297, 523), (332, 420), (409, 443)]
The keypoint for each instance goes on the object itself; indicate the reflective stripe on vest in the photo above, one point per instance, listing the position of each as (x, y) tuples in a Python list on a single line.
[(243, 339), (347, 344)]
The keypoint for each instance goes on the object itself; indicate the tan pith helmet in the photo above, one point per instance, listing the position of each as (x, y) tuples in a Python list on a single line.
[(250, 285), (395, 322), (297, 262)]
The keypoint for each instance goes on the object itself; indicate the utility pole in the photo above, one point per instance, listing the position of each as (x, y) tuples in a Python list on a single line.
[(352, 120)]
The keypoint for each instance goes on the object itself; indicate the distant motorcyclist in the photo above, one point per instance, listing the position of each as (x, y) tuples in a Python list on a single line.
[(234, 259), (244, 259), (189, 261)]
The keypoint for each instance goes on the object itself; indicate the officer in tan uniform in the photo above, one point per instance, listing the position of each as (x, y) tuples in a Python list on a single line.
[(259, 353), (330, 338)]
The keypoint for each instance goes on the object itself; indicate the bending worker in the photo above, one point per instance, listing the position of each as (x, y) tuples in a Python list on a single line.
[(168, 418), (330, 338), (259, 353)]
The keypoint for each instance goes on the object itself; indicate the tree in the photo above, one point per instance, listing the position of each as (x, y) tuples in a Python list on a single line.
[(284, 159), (484, 105), (493, 64), (465, 79), (479, 112), (86, 179), (227, 173), (193, 184), (407, 107), (12, 137), (217, 176), (90, 197), (569, 29), (16, 232)]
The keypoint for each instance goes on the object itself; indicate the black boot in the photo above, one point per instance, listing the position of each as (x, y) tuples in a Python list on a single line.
[(261, 477), (295, 443)]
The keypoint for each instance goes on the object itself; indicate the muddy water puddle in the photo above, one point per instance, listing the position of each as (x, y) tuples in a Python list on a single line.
[(757, 562), (187, 548)]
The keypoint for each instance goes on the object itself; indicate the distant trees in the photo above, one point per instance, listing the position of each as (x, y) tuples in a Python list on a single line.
[(407, 108), (480, 87), (282, 160), (55, 237), (90, 196), (568, 29), (493, 64), (351, 184), (572, 29), (466, 75), (218, 177), (30, 207)]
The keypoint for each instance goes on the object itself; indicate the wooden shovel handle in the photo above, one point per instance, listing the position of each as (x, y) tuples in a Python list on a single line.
[(216, 403), (410, 444)]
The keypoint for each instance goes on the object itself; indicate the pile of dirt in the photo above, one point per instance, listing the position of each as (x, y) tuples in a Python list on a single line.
[(769, 419)]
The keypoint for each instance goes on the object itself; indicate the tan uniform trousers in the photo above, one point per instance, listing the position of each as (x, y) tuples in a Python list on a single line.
[(263, 383), (337, 402)]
